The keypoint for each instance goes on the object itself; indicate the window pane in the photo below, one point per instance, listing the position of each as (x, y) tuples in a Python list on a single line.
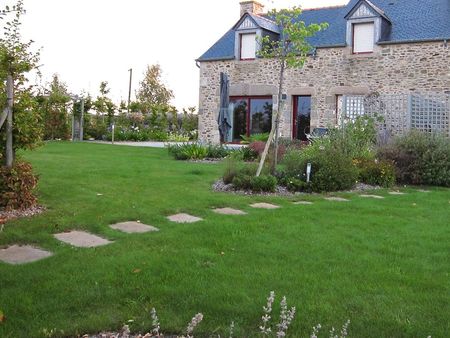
[(248, 46), (239, 109), (260, 116), (363, 37), (303, 117)]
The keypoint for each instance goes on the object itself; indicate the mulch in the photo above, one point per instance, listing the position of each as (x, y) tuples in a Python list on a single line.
[(6, 216)]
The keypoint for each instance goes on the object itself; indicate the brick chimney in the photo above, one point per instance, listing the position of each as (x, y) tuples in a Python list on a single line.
[(253, 7)]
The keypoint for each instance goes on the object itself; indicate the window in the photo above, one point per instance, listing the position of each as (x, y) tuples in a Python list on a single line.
[(251, 115), (363, 37), (248, 46)]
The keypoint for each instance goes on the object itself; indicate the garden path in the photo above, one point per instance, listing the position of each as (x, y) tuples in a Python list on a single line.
[(20, 254)]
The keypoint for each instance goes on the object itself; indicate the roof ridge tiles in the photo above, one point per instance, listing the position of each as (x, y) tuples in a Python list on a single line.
[(326, 7)]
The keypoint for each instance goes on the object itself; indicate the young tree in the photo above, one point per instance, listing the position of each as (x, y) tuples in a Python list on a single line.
[(104, 107), (152, 93), (290, 50), (54, 106), (17, 100)]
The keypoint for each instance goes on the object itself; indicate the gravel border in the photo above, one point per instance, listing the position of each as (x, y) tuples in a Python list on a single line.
[(220, 186), (6, 216)]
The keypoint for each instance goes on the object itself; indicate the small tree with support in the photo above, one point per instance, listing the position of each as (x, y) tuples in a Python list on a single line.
[(291, 50), (18, 109)]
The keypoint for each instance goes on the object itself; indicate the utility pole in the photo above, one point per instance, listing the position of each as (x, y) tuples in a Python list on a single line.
[(82, 119), (9, 121), (129, 90)]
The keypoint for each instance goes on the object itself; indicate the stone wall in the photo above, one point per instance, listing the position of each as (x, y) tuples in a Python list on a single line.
[(394, 68)]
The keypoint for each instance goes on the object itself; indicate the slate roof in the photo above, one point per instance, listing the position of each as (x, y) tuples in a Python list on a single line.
[(412, 20)]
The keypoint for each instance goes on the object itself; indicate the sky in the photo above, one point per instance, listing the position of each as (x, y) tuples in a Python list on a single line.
[(89, 41)]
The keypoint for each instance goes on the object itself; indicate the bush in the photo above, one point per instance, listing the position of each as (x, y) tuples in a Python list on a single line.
[(16, 186), (217, 151), (231, 168), (332, 170), (420, 158), (242, 182), (263, 183), (373, 172), (297, 185), (248, 154), (188, 151)]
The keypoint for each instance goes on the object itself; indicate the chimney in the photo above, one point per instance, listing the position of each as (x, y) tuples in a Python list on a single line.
[(252, 7)]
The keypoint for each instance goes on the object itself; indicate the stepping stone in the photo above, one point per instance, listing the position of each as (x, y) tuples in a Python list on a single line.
[(133, 227), (423, 190), (184, 218), (264, 206), (372, 196), (396, 193), (229, 211), (22, 254), (337, 199), (81, 239), (303, 203)]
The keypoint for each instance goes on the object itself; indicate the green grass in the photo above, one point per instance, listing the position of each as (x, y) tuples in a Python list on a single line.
[(383, 264)]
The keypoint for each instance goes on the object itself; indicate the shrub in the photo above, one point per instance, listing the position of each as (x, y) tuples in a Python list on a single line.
[(242, 181), (177, 137), (248, 154), (263, 183), (188, 151), (332, 171), (297, 185), (373, 172), (231, 168), (257, 147), (217, 151), (16, 186), (420, 158)]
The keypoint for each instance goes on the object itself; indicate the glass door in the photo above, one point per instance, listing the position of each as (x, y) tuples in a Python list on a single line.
[(302, 117)]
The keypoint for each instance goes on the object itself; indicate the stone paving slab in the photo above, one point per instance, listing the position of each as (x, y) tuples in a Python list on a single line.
[(372, 196), (423, 190), (303, 203), (133, 227), (184, 218), (337, 199), (229, 211), (264, 206), (396, 193), (81, 239), (17, 254)]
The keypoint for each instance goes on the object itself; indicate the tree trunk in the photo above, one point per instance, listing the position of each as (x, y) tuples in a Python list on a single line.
[(277, 120), (9, 122), (274, 130)]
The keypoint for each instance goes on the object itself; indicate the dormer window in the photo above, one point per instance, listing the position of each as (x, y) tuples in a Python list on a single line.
[(363, 37), (248, 46), (367, 25), (248, 30)]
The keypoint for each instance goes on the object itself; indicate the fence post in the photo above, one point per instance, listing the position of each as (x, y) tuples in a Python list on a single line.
[(409, 112)]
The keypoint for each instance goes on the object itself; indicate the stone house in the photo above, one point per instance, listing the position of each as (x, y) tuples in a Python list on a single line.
[(377, 46)]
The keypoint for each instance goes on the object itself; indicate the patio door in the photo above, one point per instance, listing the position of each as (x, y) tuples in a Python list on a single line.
[(301, 117), (251, 115)]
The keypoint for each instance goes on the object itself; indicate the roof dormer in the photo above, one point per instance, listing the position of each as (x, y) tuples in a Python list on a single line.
[(367, 25), (248, 32)]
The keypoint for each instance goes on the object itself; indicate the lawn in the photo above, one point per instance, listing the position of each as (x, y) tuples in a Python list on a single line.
[(383, 264)]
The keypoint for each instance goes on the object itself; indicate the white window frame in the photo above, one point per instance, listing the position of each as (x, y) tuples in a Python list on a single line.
[(247, 52), (367, 37)]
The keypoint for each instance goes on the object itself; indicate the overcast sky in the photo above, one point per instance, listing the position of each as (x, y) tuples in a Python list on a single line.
[(89, 41)]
